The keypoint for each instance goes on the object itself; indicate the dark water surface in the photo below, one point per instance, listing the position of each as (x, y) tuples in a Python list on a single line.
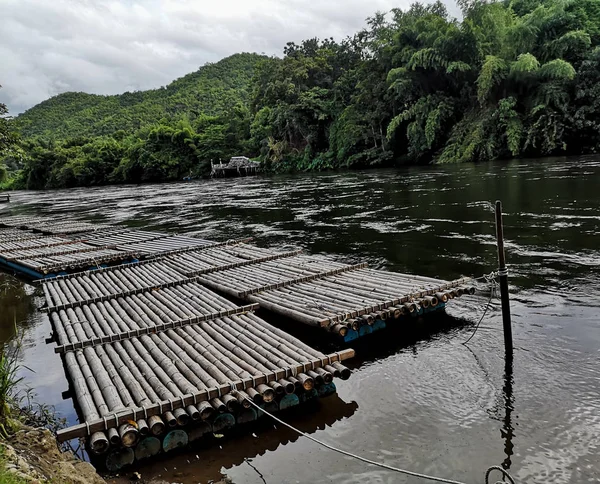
[(431, 405)]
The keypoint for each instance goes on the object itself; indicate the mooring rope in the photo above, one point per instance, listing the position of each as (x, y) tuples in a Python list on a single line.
[(368, 461), (490, 279), (481, 319)]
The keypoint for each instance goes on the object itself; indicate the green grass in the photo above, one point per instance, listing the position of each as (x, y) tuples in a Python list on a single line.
[(5, 476)]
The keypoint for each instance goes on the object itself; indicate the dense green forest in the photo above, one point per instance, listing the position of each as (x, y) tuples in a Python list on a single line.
[(511, 78)]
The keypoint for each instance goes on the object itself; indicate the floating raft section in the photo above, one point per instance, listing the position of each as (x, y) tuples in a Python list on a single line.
[(38, 255), (349, 300), (152, 369), (156, 354), (146, 243)]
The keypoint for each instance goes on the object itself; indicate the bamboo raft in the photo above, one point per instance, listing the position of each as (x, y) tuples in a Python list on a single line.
[(156, 353), (45, 259), (37, 255), (147, 364)]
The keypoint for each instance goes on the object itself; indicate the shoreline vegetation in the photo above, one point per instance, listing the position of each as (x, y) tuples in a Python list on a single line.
[(512, 78), (29, 452)]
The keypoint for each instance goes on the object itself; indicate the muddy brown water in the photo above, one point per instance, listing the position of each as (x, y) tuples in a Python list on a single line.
[(428, 403)]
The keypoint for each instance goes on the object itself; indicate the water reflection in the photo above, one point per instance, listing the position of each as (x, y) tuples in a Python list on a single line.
[(16, 306), (508, 428)]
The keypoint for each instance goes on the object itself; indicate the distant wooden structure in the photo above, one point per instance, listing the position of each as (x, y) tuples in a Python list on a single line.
[(4, 198), (237, 166)]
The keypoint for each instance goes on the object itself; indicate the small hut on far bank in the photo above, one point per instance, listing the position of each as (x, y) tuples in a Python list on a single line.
[(237, 166)]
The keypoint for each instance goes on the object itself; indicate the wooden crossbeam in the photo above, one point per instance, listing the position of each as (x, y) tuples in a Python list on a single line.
[(155, 329)]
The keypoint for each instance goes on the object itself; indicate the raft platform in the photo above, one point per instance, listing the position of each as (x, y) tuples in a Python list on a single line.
[(155, 367), (167, 348)]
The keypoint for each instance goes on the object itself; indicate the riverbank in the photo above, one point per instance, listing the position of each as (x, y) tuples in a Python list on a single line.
[(32, 456)]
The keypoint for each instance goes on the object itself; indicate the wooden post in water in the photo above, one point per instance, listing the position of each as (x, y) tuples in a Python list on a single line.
[(503, 276)]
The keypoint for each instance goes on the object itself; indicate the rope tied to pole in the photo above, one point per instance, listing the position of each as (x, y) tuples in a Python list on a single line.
[(492, 282)]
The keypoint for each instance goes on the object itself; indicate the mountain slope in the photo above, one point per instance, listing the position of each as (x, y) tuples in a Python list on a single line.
[(214, 90)]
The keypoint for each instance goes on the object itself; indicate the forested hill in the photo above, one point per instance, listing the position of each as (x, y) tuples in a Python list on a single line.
[(511, 78), (214, 90)]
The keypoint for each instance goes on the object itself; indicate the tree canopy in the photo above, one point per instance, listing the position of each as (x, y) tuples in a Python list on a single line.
[(512, 78)]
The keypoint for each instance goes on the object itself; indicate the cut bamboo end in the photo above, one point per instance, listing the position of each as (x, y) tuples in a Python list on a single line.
[(288, 386), (242, 398), (297, 383), (266, 392), (129, 435), (325, 375), (334, 371), (99, 443), (277, 388), (432, 301), (156, 424), (114, 437), (340, 329), (218, 405), (345, 373), (206, 410), (231, 402), (182, 417), (170, 419), (318, 379), (143, 428), (255, 396), (193, 412), (307, 382)]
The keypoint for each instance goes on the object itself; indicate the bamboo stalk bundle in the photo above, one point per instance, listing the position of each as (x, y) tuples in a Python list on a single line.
[(32, 243), (230, 245), (138, 313), (222, 258), (49, 251), (169, 366), (94, 286), (118, 236), (69, 227), (74, 260), (363, 293), (14, 234), (23, 221), (164, 243), (129, 280), (242, 281)]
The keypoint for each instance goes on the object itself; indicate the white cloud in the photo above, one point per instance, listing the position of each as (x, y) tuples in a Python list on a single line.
[(110, 46)]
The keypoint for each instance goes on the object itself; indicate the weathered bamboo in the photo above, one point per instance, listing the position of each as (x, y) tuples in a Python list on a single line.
[(98, 441), (154, 409)]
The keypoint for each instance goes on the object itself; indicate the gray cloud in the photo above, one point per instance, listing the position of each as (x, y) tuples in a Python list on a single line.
[(111, 46)]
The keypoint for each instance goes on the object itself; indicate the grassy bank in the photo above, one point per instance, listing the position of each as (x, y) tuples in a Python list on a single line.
[(6, 476)]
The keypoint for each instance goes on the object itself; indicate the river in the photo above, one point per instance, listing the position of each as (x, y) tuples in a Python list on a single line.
[(431, 405)]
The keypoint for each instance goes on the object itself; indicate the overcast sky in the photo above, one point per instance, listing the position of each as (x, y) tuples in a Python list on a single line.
[(108, 47)]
